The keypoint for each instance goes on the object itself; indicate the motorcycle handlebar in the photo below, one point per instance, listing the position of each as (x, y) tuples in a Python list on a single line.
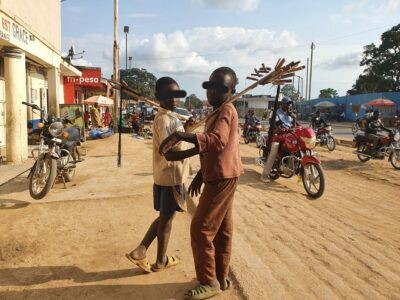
[(34, 106)]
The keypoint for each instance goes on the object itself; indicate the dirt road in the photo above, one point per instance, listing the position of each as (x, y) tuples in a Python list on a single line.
[(344, 245)]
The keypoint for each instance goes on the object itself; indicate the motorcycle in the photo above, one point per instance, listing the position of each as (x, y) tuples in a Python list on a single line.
[(253, 133), (387, 146), (296, 157), (325, 137), (56, 155)]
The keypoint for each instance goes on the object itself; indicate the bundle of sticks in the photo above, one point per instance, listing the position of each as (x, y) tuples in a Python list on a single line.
[(280, 75)]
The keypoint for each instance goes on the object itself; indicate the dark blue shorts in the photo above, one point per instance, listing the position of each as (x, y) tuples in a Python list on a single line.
[(164, 201)]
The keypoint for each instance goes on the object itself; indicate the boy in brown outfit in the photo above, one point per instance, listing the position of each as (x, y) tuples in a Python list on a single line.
[(212, 226)]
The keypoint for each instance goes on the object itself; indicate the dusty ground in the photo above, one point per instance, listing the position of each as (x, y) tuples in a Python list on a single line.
[(71, 245)]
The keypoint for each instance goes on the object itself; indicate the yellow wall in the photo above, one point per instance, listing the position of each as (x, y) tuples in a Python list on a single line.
[(41, 17)]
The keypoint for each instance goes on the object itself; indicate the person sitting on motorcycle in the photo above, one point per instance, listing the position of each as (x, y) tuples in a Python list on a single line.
[(318, 121), (365, 118), (250, 121), (285, 119), (374, 125)]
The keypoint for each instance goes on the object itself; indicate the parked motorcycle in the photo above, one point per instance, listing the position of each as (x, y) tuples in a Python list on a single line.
[(253, 133), (387, 146), (57, 154), (325, 137), (296, 157)]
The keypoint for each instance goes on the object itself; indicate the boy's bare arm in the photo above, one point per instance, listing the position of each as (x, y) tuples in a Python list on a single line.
[(175, 138), (179, 155)]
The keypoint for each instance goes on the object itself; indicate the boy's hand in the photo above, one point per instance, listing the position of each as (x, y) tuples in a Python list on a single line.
[(195, 186), (169, 142), (189, 123)]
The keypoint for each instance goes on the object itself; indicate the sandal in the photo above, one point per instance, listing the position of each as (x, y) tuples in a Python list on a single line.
[(141, 263), (203, 292), (171, 262)]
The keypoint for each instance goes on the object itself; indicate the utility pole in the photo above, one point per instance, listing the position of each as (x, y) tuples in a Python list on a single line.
[(312, 51), (306, 97), (116, 64)]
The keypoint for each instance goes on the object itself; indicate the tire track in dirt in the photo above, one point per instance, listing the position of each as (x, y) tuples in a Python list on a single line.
[(286, 229), (286, 236), (349, 260)]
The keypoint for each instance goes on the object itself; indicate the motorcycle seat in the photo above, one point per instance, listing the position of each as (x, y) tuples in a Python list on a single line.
[(360, 138)]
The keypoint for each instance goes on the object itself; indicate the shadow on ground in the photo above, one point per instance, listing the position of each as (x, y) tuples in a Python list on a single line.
[(16, 185), (12, 204)]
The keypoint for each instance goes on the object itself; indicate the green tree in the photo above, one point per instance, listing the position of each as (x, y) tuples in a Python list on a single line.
[(382, 65), (140, 80), (327, 93), (290, 91), (193, 102)]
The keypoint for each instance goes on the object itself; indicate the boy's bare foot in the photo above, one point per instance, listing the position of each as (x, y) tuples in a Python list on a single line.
[(138, 253)]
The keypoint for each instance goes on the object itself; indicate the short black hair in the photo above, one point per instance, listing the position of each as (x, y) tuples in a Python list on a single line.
[(163, 81)]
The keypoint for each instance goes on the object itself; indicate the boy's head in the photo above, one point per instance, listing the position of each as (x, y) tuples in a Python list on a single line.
[(220, 86), (168, 93)]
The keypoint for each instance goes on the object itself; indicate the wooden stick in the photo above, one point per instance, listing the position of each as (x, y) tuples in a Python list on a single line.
[(276, 76)]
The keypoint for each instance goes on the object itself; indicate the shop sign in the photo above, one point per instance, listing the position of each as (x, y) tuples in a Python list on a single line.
[(90, 77), (13, 32)]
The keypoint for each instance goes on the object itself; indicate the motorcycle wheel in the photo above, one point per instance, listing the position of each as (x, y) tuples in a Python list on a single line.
[(70, 172), (361, 157), (246, 140), (331, 143), (313, 180), (394, 159), (40, 184), (355, 128), (259, 141)]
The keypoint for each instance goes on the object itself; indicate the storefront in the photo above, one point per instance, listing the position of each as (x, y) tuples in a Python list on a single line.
[(77, 89), (31, 70)]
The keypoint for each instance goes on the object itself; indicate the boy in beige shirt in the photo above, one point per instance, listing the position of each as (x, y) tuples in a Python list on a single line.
[(168, 190)]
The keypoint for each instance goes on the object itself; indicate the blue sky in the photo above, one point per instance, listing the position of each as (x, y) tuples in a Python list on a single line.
[(188, 39)]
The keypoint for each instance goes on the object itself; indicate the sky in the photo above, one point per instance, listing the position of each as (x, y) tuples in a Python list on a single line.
[(187, 40)]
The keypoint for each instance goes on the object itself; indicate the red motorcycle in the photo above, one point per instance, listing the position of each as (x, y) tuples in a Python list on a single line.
[(387, 146), (325, 137), (294, 156), (252, 133)]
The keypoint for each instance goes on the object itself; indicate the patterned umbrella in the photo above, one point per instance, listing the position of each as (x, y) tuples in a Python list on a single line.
[(380, 102)]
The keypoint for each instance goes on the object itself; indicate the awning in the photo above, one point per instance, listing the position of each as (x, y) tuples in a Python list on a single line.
[(69, 70)]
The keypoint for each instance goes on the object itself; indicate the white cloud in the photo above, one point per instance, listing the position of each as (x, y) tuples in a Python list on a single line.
[(191, 55), (348, 60), (239, 5), (393, 4), (197, 51), (367, 11)]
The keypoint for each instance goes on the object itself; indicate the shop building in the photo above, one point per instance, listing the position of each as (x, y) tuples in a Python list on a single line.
[(31, 69)]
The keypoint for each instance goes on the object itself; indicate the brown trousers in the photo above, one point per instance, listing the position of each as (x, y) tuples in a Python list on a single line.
[(211, 230)]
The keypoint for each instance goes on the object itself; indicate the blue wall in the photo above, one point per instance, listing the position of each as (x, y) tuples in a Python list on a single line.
[(350, 103)]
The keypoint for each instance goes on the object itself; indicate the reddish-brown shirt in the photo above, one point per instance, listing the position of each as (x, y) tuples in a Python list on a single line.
[(219, 146)]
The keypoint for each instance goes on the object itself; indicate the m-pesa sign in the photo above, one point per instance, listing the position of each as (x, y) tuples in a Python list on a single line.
[(90, 77)]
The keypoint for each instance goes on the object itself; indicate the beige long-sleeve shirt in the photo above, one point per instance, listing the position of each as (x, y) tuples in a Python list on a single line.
[(168, 173)]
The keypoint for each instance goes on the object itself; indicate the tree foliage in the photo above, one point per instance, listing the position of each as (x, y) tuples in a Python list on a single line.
[(193, 102), (327, 93), (140, 80), (382, 65), (290, 91)]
